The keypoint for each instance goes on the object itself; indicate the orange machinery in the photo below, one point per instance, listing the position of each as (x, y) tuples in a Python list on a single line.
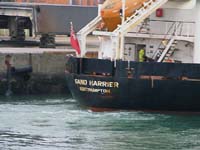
[(112, 9)]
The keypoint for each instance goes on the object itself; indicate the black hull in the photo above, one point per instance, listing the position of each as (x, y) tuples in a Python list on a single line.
[(125, 93), (133, 94)]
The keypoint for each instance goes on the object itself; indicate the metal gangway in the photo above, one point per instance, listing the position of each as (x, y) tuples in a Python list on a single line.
[(167, 46)]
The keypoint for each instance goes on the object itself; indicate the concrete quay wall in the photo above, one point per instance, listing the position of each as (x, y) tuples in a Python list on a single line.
[(48, 75)]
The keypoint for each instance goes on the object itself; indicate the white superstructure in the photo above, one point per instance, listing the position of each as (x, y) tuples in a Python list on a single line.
[(166, 30)]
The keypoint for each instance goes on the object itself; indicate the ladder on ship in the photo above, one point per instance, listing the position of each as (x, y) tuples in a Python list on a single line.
[(164, 55), (138, 16), (117, 36), (167, 46)]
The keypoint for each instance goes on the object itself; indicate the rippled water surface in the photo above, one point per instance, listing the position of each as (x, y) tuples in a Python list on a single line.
[(58, 123)]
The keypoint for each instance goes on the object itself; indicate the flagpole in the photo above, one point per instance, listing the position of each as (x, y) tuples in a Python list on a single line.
[(123, 10), (122, 34)]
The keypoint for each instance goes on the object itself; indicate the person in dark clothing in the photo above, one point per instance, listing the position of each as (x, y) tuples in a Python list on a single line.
[(8, 61), (8, 74)]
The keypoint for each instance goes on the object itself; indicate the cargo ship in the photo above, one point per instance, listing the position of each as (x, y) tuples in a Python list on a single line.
[(146, 61)]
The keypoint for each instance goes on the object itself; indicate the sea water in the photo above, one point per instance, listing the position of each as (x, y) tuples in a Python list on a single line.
[(59, 123)]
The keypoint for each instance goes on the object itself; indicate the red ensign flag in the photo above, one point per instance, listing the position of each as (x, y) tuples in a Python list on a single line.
[(74, 40)]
